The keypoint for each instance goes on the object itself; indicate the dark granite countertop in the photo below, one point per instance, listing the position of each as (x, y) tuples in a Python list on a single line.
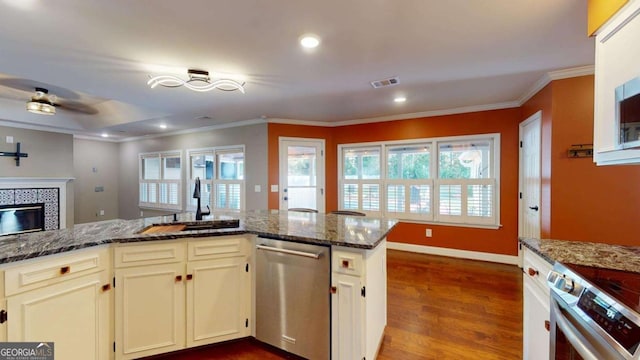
[(606, 256), (324, 229)]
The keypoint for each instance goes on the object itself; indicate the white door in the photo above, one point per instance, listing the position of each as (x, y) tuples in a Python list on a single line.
[(347, 307), (73, 314), (218, 300), (150, 310), (302, 173), (529, 178)]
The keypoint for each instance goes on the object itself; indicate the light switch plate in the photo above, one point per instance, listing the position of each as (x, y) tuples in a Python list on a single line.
[(9, 139), (257, 188), (274, 188)]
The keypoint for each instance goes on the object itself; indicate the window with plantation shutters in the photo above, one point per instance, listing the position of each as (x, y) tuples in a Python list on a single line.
[(452, 180), (160, 180), (221, 173), (361, 184)]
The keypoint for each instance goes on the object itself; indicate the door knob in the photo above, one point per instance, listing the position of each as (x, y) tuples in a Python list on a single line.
[(535, 208), (286, 198)]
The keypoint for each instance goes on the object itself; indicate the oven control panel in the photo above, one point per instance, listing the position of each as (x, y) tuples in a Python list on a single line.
[(623, 330)]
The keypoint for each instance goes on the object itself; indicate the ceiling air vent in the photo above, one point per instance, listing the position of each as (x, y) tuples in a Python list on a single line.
[(385, 82)]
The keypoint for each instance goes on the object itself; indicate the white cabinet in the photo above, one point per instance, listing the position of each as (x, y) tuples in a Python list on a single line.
[(176, 294), (150, 316), (218, 289), (359, 304), (536, 300), (64, 299), (615, 64)]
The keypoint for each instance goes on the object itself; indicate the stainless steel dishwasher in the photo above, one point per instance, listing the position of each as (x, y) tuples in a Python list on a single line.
[(292, 297)]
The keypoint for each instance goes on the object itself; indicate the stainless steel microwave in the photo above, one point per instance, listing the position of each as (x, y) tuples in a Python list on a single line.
[(628, 113)]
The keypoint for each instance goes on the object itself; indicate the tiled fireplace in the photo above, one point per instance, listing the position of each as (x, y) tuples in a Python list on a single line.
[(32, 204)]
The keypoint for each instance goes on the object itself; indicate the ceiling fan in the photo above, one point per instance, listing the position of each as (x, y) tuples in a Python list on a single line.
[(46, 99), (42, 102)]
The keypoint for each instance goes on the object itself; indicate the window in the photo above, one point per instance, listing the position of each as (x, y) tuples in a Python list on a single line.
[(465, 183), (408, 181), (221, 173), (160, 180), (447, 180), (361, 184)]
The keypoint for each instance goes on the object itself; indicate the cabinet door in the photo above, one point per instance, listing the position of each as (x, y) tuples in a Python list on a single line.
[(3, 326), (149, 310), (347, 318), (218, 300), (73, 314), (535, 312)]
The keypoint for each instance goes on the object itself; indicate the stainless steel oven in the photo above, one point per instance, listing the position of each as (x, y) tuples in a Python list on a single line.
[(594, 313)]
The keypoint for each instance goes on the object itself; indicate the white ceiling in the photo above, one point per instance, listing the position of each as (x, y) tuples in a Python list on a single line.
[(98, 55)]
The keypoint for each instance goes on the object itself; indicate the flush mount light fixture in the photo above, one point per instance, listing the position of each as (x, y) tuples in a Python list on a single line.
[(105, 135), (199, 80), (42, 103), (309, 41), (400, 99), (163, 126)]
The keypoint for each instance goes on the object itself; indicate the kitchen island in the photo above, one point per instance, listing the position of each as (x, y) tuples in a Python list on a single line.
[(152, 291)]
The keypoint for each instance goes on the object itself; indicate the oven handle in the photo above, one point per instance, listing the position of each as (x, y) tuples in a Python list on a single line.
[(572, 334)]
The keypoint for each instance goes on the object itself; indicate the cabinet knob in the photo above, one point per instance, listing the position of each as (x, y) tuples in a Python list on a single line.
[(533, 272), (64, 270), (106, 287), (178, 278), (547, 325), (189, 276), (334, 290)]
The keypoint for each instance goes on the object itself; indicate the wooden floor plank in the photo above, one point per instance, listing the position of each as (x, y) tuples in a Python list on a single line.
[(438, 308)]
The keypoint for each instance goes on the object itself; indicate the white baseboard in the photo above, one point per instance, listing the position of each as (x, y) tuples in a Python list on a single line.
[(463, 254)]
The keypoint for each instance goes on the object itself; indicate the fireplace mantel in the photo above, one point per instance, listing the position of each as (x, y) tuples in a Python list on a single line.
[(38, 183)]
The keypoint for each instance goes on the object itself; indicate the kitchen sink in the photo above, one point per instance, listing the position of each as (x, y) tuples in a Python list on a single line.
[(217, 224), (201, 225)]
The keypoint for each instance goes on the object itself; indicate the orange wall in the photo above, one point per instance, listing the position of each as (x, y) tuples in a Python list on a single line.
[(579, 200), (505, 122), (599, 11), (589, 202), (301, 131)]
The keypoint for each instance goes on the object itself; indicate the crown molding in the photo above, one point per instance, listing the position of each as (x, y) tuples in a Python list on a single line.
[(201, 129), (555, 75)]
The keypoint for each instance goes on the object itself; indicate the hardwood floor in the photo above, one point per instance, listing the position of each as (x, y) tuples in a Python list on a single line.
[(438, 308)]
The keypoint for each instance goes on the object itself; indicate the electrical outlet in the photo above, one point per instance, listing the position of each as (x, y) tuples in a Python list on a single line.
[(428, 233), (141, 213), (9, 139), (101, 212)]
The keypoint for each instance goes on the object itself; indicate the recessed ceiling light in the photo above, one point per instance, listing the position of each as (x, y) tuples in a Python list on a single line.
[(400, 99), (163, 126), (309, 41), (105, 135)]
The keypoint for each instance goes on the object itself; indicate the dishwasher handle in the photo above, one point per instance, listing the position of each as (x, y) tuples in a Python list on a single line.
[(287, 251)]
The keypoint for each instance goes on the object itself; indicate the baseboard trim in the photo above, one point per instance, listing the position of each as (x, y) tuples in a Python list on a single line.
[(463, 254)]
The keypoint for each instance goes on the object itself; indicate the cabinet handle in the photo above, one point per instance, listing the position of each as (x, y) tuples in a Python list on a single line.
[(547, 325), (178, 278), (65, 270), (189, 276), (106, 287), (334, 290), (533, 272)]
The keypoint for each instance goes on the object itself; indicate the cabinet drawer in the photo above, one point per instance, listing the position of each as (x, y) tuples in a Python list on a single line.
[(217, 247), (536, 269), (149, 254), (347, 262), (36, 273)]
